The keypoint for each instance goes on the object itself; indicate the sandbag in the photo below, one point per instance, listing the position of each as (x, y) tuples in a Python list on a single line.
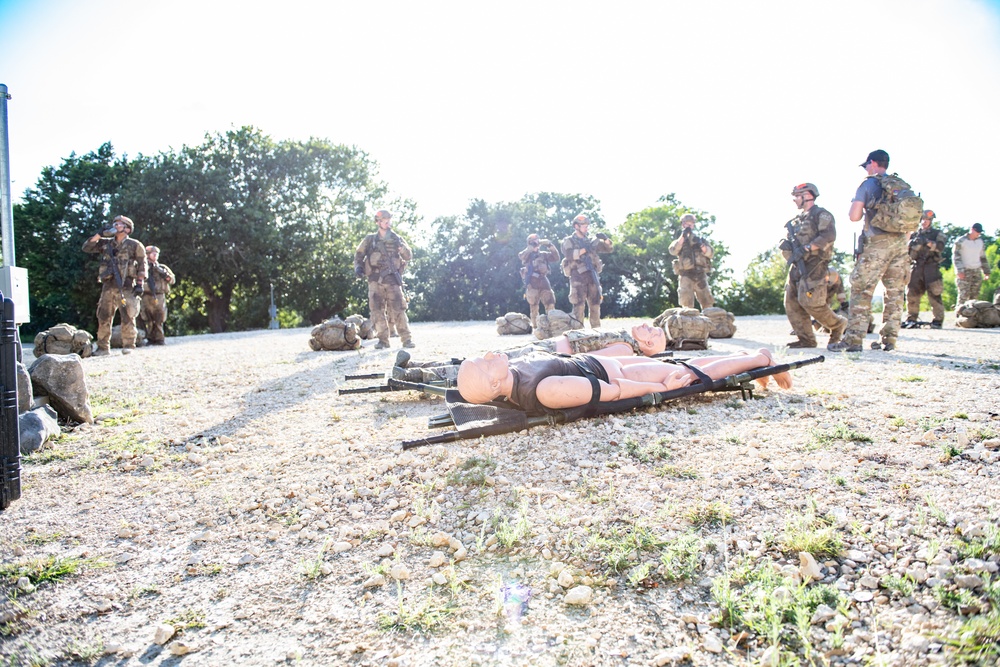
[(335, 334), (723, 322), (555, 323), (513, 324), (686, 328), (365, 326), (978, 314), (65, 339)]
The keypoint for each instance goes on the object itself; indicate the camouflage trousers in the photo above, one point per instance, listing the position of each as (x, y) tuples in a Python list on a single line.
[(539, 290), (154, 314), (885, 259), (969, 286), (925, 279), (109, 303), (383, 297), (583, 292), (691, 286), (805, 301)]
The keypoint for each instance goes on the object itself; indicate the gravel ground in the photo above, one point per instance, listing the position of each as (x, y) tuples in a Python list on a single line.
[(229, 507)]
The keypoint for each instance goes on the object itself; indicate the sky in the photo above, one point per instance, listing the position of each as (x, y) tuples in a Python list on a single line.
[(727, 104)]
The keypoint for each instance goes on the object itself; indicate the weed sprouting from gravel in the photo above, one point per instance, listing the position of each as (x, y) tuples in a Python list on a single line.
[(423, 617), (980, 547), (472, 471), (977, 641), (813, 536), (681, 557), (839, 432), (711, 514), (647, 451)]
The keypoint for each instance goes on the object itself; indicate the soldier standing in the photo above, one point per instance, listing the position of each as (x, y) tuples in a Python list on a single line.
[(581, 264), (154, 296), (925, 251), (808, 249), (122, 272), (969, 256), (692, 266), (381, 258), (535, 275), (883, 257)]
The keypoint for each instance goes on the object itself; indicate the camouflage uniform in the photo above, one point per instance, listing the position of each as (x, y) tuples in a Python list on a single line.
[(382, 259), (581, 341), (154, 301), (584, 285), (806, 296), (130, 257), (925, 274), (970, 285), (836, 295), (692, 267), (534, 275)]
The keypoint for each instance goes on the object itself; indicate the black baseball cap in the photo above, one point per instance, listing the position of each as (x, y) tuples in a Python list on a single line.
[(977, 228), (876, 156)]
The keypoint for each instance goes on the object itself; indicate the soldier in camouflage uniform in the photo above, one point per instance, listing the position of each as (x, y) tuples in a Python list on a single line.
[(581, 264), (969, 257), (534, 274), (125, 257), (381, 257), (154, 296), (925, 250), (692, 266), (812, 234), (836, 295), (643, 339), (883, 257)]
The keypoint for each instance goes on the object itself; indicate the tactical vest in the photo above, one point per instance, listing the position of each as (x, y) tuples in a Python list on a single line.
[(691, 259), (383, 262), (572, 266), (918, 250), (810, 226), (124, 256)]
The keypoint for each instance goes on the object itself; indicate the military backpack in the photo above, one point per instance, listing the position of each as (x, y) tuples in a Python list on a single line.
[(899, 209)]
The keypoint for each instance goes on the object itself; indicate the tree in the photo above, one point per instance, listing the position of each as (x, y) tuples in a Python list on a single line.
[(638, 277), (241, 211), (69, 204), (762, 290), (469, 268)]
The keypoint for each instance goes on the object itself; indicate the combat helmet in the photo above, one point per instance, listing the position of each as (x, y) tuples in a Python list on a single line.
[(582, 219), (126, 221), (929, 214), (805, 187)]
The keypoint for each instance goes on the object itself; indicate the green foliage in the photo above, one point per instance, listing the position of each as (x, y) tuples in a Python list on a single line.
[(637, 275), (469, 266), (762, 290)]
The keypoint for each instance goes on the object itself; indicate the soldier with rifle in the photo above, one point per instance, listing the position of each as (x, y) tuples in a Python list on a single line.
[(808, 249), (925, 248), (381, 257), (692, 266), (122, 273), (154, 297), (581, 264), (535, 260)]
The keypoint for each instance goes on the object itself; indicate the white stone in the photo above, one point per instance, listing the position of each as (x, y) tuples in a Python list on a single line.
[(915, 642), (399, 572), (162, 633), (822, 614), (180, 648), (581, 595), (808, 567), (672, 656), (711, 643), (374, 581), (566, 579), (341, 546), (863, 596), (437, 559), (385, 550)]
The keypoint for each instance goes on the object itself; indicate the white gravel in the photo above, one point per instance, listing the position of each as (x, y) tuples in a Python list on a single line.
[(229, 495)]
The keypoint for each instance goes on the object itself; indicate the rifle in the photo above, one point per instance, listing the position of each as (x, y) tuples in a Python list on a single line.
[(588, 263), (798, 251), (112, 254), (529, 268), (859, 246)]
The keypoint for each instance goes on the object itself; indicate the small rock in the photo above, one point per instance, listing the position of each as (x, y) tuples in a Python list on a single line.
[(581, 595), (147, 461), (822, 614), (24, 584), (863, 596), (439, 578), (374, 581), (102, 605), (385, 550), (968, 581), (915, 642), (399, 572), (672, 656), (341, 547), (711, 643), (808, 567), (771, 657), (162, 633), (566, 579), (437, 559), (858, 556), (180, 648)]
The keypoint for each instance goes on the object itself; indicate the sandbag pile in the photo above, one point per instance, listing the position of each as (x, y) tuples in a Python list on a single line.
[(977, 314), (513, 324), (335, 334), (555, 323), (64, 339), (723, 322), (366, 328)]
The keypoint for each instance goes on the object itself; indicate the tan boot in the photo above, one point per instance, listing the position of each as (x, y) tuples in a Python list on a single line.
[(838, 332)]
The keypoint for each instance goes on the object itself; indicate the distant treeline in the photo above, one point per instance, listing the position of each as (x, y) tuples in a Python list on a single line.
[(241, 213)]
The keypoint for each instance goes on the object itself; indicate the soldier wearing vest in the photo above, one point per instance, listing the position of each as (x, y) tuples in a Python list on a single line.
[(381, 258), (154, 296), (969, 257), (535, 275), (883, 258), (581, 264), (122, 273), (925, 250), (692, 266), (813, 233)]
